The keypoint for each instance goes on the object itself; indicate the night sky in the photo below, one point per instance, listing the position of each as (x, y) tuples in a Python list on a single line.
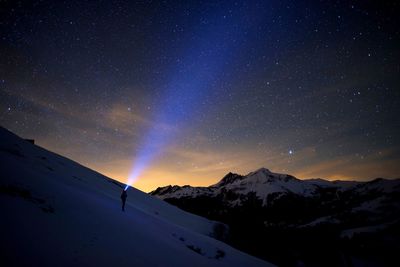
[(184, 92)]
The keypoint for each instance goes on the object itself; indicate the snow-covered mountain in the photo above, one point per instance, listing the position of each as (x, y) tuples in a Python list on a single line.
[(264, 183), (55, 212), (263, 205)]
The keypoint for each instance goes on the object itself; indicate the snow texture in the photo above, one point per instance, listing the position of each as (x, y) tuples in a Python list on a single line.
[(263, 182), (56, 212)]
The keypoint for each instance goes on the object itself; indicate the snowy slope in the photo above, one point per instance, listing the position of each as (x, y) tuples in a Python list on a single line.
[(55, 212)]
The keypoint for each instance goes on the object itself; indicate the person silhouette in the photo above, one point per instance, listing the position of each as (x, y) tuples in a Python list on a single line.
[(124, 195)]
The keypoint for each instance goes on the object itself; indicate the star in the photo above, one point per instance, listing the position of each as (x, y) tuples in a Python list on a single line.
[(230, 78)]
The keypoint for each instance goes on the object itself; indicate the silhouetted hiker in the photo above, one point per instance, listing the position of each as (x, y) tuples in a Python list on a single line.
[(124, 195)]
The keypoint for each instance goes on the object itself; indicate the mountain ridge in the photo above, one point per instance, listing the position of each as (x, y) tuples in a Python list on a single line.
[(262, 177)]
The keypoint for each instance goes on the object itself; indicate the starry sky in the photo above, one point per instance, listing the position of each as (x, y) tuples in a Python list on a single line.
[(182, 92)]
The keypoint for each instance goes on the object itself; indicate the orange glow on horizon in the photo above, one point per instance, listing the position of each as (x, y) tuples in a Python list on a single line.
[(208, 165)]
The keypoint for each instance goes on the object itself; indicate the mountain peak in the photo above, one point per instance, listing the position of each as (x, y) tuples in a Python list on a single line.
[(260, 171), (263, 170), (264, 173), (229, 178)]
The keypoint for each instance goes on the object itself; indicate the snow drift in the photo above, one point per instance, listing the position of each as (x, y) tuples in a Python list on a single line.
[(55, 212)]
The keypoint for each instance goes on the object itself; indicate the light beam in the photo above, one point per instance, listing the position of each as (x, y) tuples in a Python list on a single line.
[(210, 51)]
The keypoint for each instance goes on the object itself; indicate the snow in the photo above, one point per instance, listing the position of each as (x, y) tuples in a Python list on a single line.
[(350, 233), (379, 184), (56, 212), (262, 182), (184, 191), (371, 205), (321, 220)]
